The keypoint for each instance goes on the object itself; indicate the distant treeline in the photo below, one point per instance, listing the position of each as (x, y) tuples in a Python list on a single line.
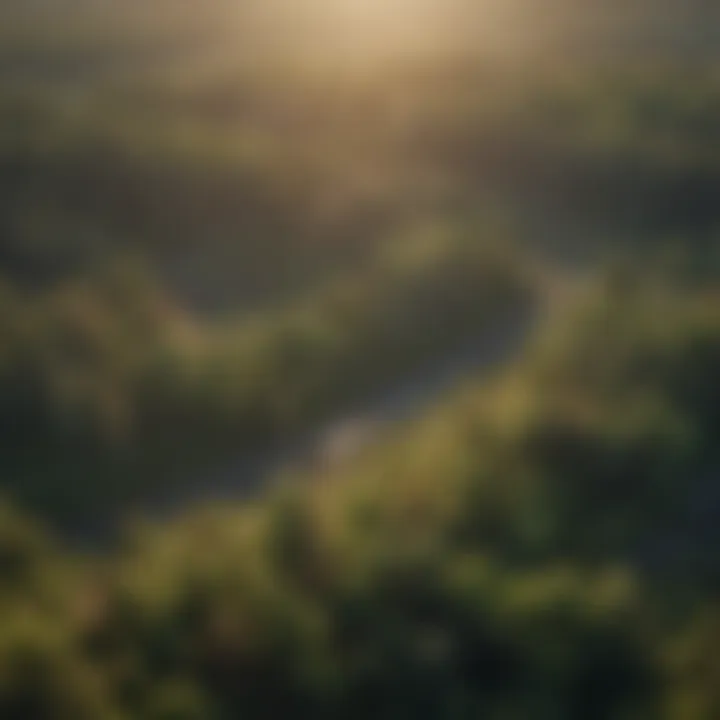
[(244, 189)]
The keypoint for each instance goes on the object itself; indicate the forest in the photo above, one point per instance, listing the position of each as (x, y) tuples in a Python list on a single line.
[(359, 360)]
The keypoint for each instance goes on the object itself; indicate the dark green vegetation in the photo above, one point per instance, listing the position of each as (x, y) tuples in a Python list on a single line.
[(216, 236), (107, 391), (513, 555)]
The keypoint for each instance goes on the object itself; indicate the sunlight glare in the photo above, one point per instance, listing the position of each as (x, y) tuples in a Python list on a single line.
[(371, 29)]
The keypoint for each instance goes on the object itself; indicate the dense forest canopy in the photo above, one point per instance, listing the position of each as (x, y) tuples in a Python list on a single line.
[(359, 359)]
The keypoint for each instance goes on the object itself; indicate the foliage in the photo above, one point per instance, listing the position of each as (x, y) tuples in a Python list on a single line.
[(105, 379), (491, 561), (214, 237)]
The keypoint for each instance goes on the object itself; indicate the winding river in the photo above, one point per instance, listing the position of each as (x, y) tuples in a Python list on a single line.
[(341, 438)]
